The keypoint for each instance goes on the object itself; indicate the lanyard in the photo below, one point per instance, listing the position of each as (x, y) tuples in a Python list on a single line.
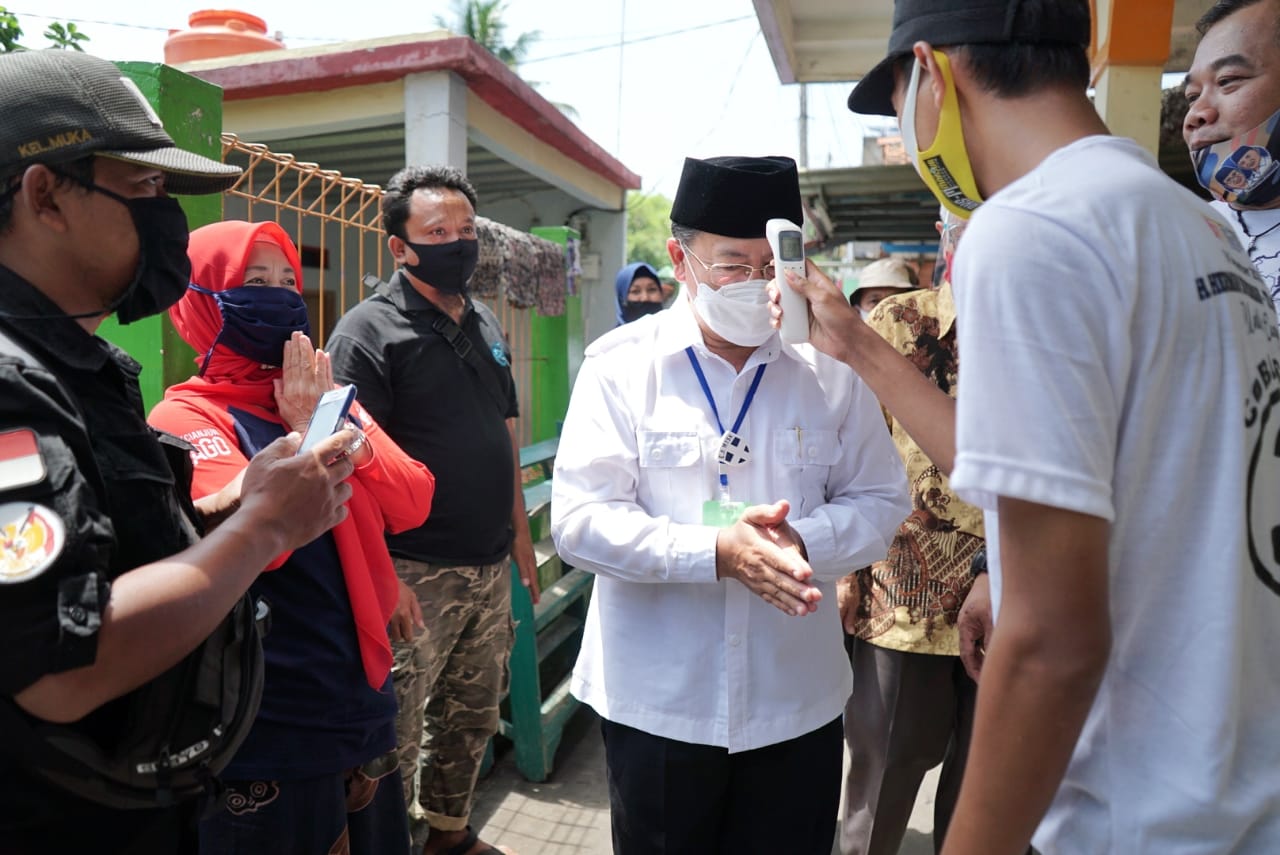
[(742, 413)]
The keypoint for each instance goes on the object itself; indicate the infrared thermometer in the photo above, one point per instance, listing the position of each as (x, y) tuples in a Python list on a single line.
[(787, 242)]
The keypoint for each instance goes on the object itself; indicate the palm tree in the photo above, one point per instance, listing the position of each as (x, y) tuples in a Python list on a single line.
[(482, 21)]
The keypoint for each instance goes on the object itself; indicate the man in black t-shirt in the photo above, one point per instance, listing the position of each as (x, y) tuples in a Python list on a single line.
[(104, 581), (433, 368)]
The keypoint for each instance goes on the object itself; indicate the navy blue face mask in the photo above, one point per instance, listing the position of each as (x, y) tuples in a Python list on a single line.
[(445, 266), (257, 320)]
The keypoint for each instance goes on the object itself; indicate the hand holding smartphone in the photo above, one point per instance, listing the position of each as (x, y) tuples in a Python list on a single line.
[(328, 416)]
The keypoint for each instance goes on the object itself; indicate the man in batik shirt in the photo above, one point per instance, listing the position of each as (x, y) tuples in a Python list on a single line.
[(912, 702)]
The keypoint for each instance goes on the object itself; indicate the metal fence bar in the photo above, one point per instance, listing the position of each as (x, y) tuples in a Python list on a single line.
[(276, 185)]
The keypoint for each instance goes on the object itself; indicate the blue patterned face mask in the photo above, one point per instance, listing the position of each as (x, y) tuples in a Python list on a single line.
[(257, 321), (1243, 171)]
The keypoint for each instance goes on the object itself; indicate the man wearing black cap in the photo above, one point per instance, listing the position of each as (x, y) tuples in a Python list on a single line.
[(718, 483), (1114, 420), (104, 584)]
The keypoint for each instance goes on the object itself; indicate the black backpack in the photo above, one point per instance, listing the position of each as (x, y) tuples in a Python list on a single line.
[(173, 734), (178, 731)]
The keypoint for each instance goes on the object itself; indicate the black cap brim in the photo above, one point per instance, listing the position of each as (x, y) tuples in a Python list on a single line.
[(873, 95), (185, 173)]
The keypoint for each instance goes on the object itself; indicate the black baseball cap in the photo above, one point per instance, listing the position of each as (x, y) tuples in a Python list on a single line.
[(737, 196), (61, 105), (964, 22)]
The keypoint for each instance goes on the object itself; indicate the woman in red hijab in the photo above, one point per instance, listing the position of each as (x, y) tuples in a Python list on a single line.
[(318, 772)]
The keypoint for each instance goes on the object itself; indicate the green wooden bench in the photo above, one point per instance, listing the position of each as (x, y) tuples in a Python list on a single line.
[(547, 635)]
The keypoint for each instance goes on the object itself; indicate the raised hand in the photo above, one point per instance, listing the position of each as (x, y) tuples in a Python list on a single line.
[(306, 374)]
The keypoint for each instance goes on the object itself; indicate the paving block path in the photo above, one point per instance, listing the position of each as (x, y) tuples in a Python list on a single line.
[(569, 813)]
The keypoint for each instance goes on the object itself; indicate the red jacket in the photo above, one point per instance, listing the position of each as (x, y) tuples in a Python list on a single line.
[(391, 493)]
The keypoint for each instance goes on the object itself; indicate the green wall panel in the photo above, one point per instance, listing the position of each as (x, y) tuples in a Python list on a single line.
[(191, 111), (553, 339)]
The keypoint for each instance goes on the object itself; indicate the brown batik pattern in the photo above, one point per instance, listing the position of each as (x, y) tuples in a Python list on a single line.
[(911, 600)]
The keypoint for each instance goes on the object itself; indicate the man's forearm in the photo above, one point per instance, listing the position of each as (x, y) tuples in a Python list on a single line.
[(1031, 707), (1045, 661), (926, 413), (519, 516), (157, 614)]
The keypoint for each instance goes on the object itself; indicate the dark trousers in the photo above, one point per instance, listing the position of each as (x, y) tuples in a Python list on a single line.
[(347, 813), (908, 713), (672, 798)]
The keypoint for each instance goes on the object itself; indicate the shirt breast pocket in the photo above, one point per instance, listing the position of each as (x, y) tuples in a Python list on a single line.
[(805, 458), (670, 474), (145, 508)]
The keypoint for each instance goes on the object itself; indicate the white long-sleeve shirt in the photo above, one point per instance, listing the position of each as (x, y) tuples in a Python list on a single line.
[(668, 648)]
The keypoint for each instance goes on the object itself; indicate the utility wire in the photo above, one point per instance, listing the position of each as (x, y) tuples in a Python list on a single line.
[(653, 187), (45, 17), (637, 40)]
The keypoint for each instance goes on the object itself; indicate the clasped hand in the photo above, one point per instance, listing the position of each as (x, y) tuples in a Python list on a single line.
[(763, 552)]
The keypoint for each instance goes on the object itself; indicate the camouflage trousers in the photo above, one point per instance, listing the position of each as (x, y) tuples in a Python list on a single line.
[(448, 682)]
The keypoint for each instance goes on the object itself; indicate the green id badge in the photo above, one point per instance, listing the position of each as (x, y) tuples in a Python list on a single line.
[(722, 514)]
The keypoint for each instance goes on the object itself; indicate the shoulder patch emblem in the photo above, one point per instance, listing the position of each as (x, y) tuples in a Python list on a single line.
[(31, 537), (499, 354), (21, 463)]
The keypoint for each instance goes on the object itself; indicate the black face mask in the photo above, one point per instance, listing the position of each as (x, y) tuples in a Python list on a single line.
[(633, 309), (445, 266), (163, 269), (163, 266)]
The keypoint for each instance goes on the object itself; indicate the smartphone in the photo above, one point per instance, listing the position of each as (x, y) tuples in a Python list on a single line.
[(787, 242), (328, 416)]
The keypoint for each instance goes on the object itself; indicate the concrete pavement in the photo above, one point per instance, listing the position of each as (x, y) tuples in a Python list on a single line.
[(569, 813)]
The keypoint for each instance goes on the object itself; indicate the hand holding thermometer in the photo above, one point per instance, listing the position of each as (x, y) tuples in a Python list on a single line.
[(787, 242)]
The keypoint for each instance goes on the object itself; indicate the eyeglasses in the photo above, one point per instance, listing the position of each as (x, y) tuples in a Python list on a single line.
[(725, 274)]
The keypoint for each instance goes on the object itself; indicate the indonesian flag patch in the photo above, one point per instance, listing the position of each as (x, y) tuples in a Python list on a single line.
[(21, 464)]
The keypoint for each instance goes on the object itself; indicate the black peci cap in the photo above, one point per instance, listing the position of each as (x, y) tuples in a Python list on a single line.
[(964, 22), (736, 196), (62, 105)]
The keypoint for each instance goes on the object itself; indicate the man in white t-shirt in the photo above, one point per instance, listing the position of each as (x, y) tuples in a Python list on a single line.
[(1120, 372), (1233, 90)]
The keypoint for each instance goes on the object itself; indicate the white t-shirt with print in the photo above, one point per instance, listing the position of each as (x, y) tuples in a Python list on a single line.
[(1119, 357), (1259, 233)]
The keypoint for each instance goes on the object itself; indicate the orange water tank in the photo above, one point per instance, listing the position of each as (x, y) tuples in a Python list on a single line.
[(218, 32)]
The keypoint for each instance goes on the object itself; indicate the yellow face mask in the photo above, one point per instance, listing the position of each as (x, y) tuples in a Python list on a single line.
[(944, 166)]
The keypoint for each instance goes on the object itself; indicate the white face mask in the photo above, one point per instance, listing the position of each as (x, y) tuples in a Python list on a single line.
[(866, 313), (738, 312)]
